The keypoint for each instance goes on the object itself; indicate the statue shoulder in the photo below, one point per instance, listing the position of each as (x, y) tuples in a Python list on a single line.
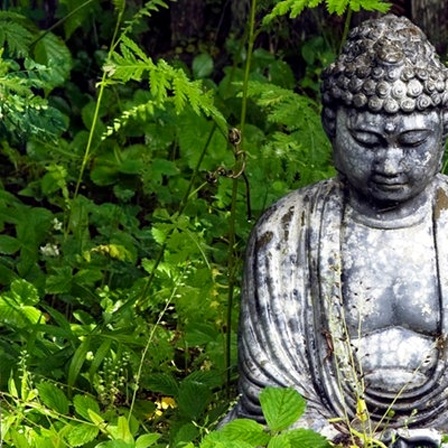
[(294, 209), (297, 200)]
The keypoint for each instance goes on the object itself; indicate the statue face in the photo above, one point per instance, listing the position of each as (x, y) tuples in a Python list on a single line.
[(388, 158)]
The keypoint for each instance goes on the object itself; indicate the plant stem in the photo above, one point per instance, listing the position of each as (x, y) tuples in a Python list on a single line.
[(232, 220), (348, 21), (97, 106), (61, 21)]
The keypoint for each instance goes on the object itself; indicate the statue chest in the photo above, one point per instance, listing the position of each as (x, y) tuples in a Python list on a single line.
[(392, 302), (390, 279)]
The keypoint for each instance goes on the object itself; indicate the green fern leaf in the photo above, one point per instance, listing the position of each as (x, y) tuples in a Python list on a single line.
[(119, 5), (17, 38), (15, 33), (370, 5)]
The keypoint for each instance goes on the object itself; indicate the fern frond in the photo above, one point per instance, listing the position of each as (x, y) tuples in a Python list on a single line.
[(370, 5), (293, 8), (299, 124), (119, 5), (14, 34), (140, 112)]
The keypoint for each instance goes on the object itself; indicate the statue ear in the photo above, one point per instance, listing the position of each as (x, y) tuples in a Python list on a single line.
[(445, 125)]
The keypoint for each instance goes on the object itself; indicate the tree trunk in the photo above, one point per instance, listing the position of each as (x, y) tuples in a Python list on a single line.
[(187, 20), (432, 17)]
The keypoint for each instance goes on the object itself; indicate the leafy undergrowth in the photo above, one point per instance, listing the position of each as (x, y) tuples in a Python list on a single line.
[(129, 186)]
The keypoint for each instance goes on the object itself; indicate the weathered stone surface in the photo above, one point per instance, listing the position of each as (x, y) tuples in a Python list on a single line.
[(345, 295)]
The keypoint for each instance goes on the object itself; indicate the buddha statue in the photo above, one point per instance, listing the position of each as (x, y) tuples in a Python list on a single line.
[(345, 294)]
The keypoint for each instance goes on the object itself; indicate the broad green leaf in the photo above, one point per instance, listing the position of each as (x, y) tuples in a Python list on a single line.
[(19, 440), (81, 434), (18, 315), (9, 245), (247, 431), (82, 405), (282, 441), (163, 383), (281, 407), (306, 438), (218, 440), (202, 66), (96, 418), (121, 431), (146, 440), (115, 444), (193, 399), (52, 52), (53, 397), (24, 292)]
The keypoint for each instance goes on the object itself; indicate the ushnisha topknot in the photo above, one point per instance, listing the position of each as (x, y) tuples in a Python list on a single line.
[(387, 65)]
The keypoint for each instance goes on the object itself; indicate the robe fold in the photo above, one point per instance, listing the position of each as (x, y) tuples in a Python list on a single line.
[(292, 307)]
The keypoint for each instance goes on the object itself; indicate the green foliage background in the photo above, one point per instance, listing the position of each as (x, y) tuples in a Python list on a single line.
[(128, 188)]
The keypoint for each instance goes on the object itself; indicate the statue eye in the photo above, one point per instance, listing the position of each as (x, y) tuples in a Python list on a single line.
[(368, 139), (414, 138)]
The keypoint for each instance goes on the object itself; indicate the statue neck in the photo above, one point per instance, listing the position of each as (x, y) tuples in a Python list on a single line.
[(392, 215)]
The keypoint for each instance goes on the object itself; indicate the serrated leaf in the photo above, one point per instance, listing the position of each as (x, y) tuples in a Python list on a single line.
[(307, 438), (193, 399), (81, 434), (15, 35), (82, 405), (53, 397), (281, 441), (337, 6), (281, 407), (163, 383), (247, 431)]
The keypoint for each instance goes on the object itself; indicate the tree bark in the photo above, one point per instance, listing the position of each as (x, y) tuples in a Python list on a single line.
[(187, 20), (432, 17)]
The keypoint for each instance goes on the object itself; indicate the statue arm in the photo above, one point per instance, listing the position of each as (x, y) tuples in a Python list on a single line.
[(275, 299)]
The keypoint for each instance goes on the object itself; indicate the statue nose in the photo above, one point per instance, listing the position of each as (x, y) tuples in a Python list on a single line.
[(389, 161)]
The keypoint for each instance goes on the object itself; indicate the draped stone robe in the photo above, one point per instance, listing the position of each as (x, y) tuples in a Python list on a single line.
[(292, 318)]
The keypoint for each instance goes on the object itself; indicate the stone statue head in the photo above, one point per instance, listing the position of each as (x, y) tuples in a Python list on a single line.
[(387, 66)]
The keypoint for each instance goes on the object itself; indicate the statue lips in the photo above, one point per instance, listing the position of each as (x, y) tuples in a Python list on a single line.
[(388, 182)]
